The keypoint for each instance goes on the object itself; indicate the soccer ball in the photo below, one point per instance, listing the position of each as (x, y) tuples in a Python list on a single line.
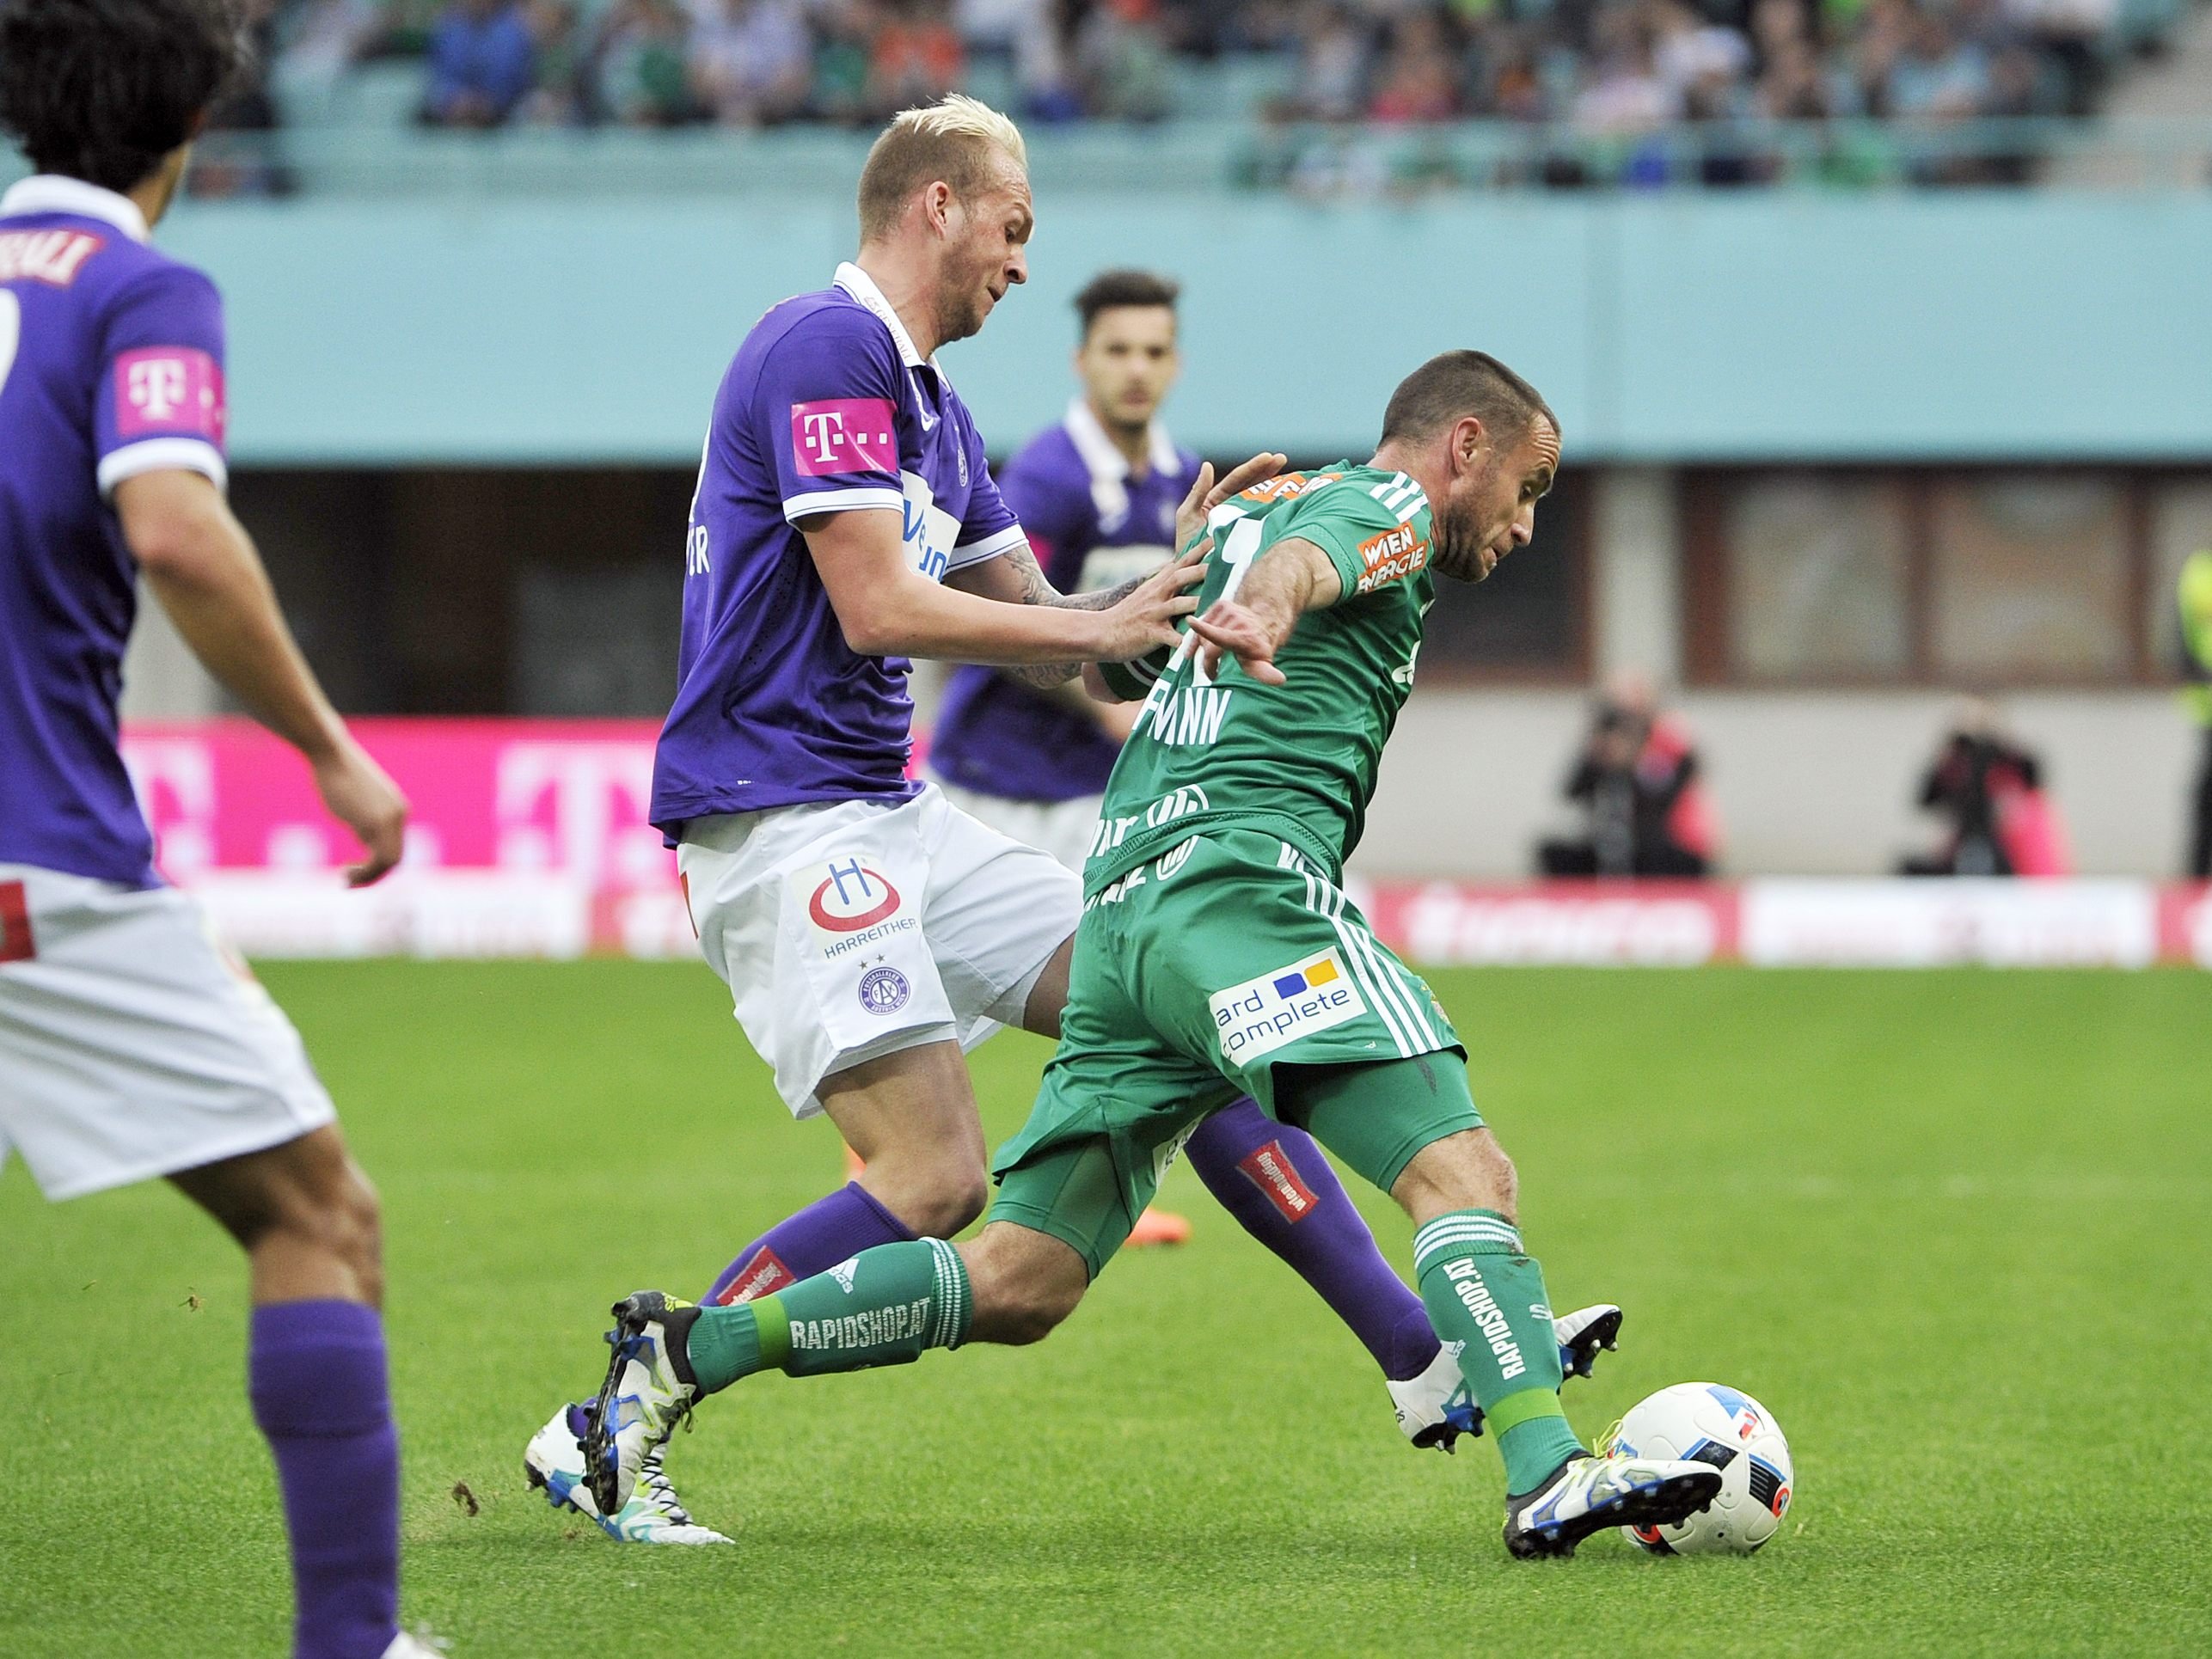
[(1708, 1422)]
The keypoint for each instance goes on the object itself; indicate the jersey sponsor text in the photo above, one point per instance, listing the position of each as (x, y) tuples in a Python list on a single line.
[(53, 257), (834, 435), (169, 388), (1393, 555), (1277, 1008)]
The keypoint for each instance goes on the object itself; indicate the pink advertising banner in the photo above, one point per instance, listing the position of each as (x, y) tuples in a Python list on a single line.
[(529, 838)]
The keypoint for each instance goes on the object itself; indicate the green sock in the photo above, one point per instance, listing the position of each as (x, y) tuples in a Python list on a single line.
[(882, 1307), (1483, 1292)]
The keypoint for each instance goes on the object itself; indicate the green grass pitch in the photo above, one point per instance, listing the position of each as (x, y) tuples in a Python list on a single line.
[(1955, 1230)]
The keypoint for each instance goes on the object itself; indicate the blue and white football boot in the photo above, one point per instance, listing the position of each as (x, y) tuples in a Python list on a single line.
[(1434, 1409), (649, 1389), (554, 1463), (1587, 1494)]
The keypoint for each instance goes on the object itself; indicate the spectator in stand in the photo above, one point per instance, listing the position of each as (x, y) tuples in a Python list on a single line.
[(482, 63), (918, 57), (1637, 778), (1334, 56), (1938, 75), (2197, 653), (245, 107), (1420, 79), (1990, 790), (1123, 62), (557, 54), (638, 71), (1622, 95), (844, 48), (1041, 67), (751, 62)]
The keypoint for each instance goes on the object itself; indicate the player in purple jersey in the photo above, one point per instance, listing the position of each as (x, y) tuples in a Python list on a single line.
[(132, 1044), (845, 522), (1097, 495)]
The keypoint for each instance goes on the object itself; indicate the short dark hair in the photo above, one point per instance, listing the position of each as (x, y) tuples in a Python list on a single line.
[(102, 90), (1111, 288), (1455, 384)]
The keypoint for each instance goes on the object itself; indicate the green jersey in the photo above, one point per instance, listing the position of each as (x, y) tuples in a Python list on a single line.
[(1297, 761)]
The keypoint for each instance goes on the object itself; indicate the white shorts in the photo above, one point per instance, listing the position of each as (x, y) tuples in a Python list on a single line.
[(1062, 828), (849, 930), (133, 1042)]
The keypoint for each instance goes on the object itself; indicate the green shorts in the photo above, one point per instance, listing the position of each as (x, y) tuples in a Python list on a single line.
[(1227, 966)]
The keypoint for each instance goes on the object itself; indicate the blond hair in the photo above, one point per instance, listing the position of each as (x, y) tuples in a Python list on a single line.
[(953, 139)]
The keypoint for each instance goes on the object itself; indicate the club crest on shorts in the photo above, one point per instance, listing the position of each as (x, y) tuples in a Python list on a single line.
[(884, 990), (1277, 1008)]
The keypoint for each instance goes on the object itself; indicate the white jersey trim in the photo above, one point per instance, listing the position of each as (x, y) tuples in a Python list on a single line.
[(1108, 468), (155, 454), (861, 499), (991, 546), (53, 193)]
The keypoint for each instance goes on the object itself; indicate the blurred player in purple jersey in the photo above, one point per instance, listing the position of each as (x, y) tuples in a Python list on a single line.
[(132, 1044), (1096, 495), (845, 522)]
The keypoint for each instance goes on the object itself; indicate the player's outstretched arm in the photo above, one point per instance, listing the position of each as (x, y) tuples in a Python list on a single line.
[(1015, 577), (1290, 579), (202, 566), (885, 610)]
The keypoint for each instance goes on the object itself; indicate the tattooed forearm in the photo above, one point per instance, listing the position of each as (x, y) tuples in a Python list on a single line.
[(1036, 591)]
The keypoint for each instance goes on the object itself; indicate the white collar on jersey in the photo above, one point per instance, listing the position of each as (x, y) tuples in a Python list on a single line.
[(862, 286), (49, 192), (1108, 467)]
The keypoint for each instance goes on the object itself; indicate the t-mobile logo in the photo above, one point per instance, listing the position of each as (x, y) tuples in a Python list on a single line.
[(169, 388), (842, 435), (825, 436), (157, 388)]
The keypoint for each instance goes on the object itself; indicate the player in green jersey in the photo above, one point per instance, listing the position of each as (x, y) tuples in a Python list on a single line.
[(1219, 957)]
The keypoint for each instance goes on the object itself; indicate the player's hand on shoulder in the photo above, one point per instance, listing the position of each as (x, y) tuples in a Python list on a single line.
[(1205, 494), (1145, 618), (1229, 629), (361, 795)]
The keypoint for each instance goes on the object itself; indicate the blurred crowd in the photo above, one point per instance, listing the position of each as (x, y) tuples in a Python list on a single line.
[(1606, 69)]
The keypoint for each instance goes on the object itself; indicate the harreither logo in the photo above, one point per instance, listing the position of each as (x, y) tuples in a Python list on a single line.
[(852, 897)]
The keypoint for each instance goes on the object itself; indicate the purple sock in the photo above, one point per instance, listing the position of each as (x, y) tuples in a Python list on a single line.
[(315, 1372), (1274, 1180), (814, 1240)]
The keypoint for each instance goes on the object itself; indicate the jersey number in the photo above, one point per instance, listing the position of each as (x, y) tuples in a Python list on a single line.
[(11, 332)]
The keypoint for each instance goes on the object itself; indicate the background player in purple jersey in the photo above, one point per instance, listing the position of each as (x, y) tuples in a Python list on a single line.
[(845, 522), (1097, 495), (132, 1045)]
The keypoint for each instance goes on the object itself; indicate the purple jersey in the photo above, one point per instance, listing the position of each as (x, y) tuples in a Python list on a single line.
[(1093, 526), (111, 365), (827, 408)]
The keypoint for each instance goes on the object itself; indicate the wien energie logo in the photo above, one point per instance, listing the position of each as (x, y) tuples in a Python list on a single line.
[(1396, 553), (852, 897)]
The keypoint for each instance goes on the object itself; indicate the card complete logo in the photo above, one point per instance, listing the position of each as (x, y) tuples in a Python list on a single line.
[(1277, 1008)]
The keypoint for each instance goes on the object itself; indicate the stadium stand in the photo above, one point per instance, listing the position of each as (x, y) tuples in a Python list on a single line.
[(1322, 98)]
